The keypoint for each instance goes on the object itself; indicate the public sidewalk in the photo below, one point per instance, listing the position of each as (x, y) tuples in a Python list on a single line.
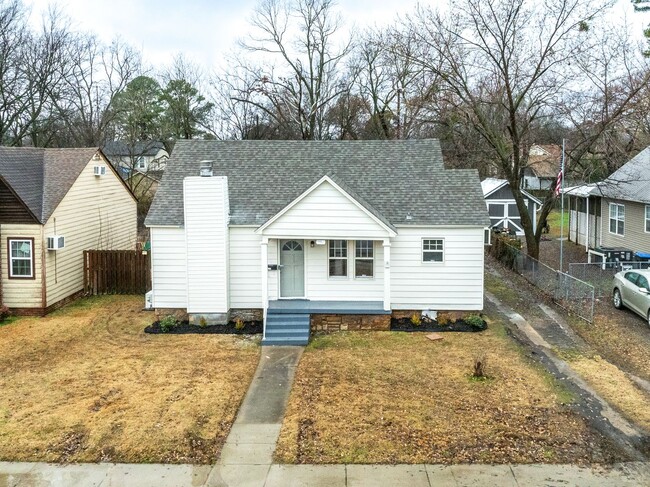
[(127, 475)]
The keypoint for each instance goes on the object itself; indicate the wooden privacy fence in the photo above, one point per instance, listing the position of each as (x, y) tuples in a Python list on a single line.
[(117, 272)]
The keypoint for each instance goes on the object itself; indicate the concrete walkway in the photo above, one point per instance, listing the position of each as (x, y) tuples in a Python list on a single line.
[(247, 455), (129, 475)]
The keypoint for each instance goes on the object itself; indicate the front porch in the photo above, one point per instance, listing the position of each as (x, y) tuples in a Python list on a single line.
[(306, 306), (290, 322)]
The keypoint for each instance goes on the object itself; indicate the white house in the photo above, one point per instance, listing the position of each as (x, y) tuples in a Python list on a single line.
[(339, 234)]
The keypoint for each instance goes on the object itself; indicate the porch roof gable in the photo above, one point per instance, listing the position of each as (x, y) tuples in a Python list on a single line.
[(317, 217)]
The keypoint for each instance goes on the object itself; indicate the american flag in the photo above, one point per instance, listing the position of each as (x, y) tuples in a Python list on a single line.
[(558, 183)]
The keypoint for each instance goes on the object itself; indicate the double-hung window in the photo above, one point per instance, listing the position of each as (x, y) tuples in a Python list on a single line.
[(433, 250), (617, 219), (338, 258), (364, 257), (21, 258), (647, 218)]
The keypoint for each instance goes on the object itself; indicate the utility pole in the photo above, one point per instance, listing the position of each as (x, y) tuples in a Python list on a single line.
[(562, 210)]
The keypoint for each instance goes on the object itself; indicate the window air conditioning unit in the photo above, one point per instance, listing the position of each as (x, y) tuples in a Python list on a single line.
[(55, 242), (100, 170)]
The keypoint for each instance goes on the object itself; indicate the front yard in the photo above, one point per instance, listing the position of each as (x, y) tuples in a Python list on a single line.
[(85, 384), (399, 398)]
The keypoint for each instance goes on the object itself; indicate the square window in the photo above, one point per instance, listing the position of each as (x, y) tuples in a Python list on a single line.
[(433, 250)]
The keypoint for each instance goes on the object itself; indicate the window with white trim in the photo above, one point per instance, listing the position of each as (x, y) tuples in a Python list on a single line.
[(338, 258), (647, 218), (617, 219), (21, 259), (140, 163), (433, 250), (364, 258)]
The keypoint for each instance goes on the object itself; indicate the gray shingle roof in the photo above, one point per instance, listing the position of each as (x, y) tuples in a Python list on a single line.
[(393, 178), (631, 182), (42, 177)]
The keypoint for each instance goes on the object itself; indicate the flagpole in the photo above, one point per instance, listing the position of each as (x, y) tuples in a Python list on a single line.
[(562, 211)]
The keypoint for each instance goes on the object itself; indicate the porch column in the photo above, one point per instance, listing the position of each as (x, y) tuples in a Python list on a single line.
[(386, 274), (264, 249)]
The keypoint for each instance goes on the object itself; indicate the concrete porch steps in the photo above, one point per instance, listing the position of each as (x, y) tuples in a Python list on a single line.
[(286, 329)]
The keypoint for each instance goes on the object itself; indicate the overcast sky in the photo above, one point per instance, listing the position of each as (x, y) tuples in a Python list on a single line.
[(205, 30)]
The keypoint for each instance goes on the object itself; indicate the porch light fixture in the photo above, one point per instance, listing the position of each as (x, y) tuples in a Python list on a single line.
[(312, 243), (206, 169)]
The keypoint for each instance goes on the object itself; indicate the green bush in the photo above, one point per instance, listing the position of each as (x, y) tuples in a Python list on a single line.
[(475, 321), (168, 323), (416, 319)]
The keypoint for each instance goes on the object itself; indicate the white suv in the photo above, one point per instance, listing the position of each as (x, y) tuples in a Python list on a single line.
[(632, 290)]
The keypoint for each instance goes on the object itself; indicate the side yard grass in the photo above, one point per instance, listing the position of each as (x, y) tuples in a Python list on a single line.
[(616, 344), (387, 397), (85, 384)]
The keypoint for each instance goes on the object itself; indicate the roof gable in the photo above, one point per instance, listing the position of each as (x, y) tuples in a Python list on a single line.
[(492, 185), (327, 207)]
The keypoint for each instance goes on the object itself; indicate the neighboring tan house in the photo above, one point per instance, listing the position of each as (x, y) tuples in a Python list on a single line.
[(502, 207), (54, 204), (618, 209), (327, 234), (543, 167), (148, 157)]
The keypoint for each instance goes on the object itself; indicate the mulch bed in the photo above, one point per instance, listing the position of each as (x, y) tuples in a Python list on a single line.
[(184, 328), (405, 324)]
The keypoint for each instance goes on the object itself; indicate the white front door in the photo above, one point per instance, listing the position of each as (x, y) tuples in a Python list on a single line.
[(292, 269)]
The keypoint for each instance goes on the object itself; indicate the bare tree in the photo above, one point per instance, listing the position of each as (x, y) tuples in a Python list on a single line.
[(302, 75), (505, 65), (92, 76)]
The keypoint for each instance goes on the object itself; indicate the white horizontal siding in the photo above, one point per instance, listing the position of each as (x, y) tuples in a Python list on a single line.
[(245, 274), (321, 286), (326, 212), (169, 267), (206, 233), (455, 284)]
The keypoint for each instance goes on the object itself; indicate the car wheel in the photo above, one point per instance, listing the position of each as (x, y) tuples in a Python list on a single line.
[(618, 302), (649, 318)]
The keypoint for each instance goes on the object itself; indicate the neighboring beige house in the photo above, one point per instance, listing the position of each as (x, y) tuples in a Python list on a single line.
[(618, 224), (54, 204), (543, 166)]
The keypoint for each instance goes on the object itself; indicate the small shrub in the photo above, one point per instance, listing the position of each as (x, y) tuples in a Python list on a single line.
[(203, 322), (4, 313), (475, 321), (239, 324), (416, 319), (168, 323), (480, 366), (445, 319)]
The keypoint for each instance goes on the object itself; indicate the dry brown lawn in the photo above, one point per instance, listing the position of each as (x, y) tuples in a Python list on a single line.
[(387, 397), (86, 384)]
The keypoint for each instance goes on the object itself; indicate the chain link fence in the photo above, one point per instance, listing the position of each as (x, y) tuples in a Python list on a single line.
[(600, 274), (574, 295)]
